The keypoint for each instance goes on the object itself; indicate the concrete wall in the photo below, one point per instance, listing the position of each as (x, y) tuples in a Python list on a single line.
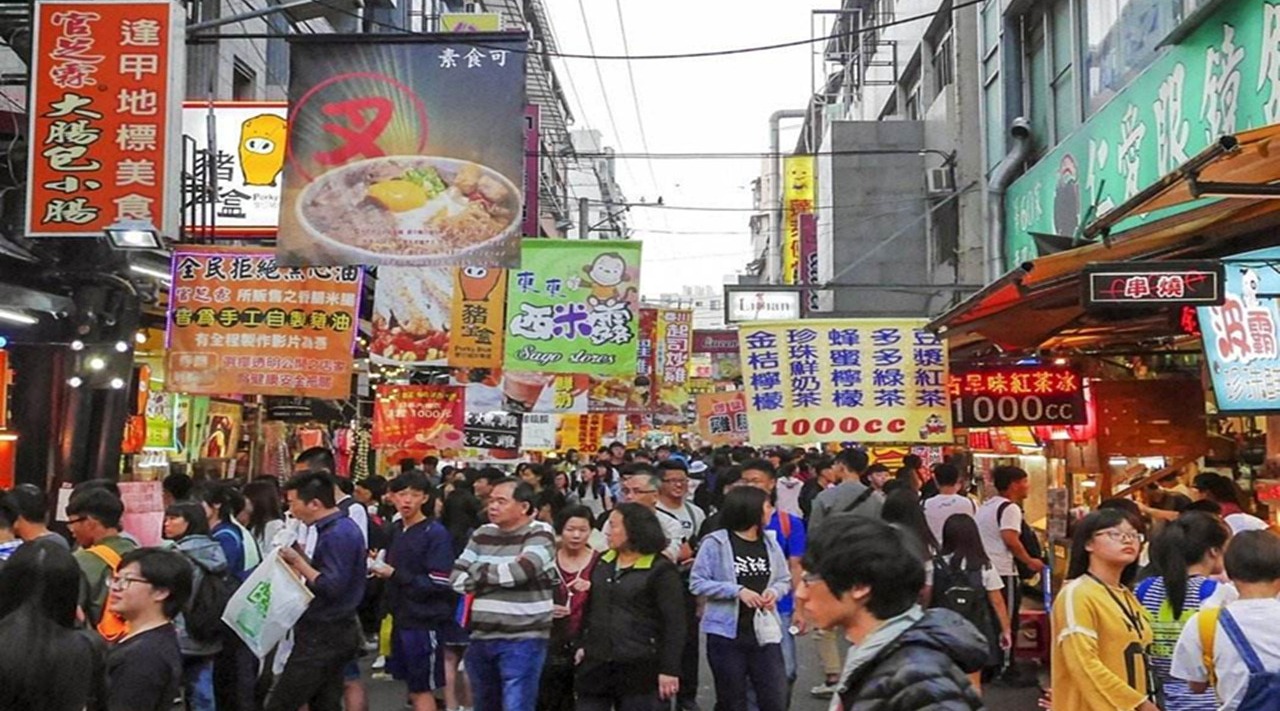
[(874, 232)]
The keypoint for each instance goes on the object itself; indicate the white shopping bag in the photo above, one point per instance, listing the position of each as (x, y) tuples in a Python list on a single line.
[(768, 627), (267, 605)]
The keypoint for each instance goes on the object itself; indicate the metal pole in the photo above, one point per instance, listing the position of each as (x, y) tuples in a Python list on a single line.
[(584, 218)]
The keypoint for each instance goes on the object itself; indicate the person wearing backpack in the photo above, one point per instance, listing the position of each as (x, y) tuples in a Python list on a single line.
[(186, 526), (1184, 557), (1000, 521), (1236, 647), (964, 582), (93, 517)]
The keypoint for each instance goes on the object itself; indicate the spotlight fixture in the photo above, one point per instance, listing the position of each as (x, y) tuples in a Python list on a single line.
[(122, 347), (117, 383), (97, 363), (140, 337), (133, 234), (75, 381), (77, 345), (17, 317)]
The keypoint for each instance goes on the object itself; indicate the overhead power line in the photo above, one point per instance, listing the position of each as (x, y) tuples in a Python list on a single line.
[(463, 40), (604, 89), (635, 97)]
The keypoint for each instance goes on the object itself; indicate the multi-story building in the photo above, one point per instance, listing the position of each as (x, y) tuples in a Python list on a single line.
[(594, 190), (706, 302)]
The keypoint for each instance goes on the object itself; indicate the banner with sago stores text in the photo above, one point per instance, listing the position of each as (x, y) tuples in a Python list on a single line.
[(859, 380)]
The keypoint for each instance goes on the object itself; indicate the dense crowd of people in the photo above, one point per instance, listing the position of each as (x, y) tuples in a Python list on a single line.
[(604, 582)]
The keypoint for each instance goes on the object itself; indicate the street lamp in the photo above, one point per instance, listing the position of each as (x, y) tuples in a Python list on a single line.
[(17, 317), (133, 234)]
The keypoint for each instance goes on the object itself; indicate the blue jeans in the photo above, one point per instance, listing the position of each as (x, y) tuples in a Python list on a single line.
[(197, 683), (504, 673), (734, 661)]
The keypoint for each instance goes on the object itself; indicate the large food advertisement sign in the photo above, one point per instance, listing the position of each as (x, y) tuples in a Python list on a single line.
[(104, 111), (405, 151), (411, 316), (1241, 336), (572, 307), (238, 323), (417, 417), (245, 165), (862, 380)]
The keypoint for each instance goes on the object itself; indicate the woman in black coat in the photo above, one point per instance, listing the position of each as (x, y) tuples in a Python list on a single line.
[(635, 626)]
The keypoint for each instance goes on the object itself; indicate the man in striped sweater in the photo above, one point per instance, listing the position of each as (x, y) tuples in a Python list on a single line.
[(509, 567)]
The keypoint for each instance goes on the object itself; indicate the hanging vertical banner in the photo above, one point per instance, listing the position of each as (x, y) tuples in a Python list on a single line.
[(572, 307), (160, 414), (629, 393), (673, 342), (240, 324), (492, 430), (412, 315), (418, 417), (1241, 338), (584, 433), (797, 199), (246, 161), (722, 418), (809, 272), (532, 170), (479, 302), (404, 150), (143, 516), (861, 380), (105, 105)]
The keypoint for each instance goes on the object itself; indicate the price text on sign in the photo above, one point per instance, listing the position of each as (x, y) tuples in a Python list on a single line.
[(1017, 395), (804, 426)]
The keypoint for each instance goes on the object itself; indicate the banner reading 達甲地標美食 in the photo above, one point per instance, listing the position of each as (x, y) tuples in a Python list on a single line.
[(572, 307), (405, 150)]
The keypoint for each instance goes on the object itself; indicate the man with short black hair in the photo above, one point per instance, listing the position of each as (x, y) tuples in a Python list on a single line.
[(1000, 524), (93, 517), (850, 495), (483, 481), (641, 484), (176, 487), (948, 502), (509, 566), (863, 577), (327, 636), (673, 503), (32, 507), (144, 669), (315, 459)]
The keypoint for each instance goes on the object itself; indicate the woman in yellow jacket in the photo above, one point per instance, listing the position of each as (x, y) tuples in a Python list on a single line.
[(1101, 632)]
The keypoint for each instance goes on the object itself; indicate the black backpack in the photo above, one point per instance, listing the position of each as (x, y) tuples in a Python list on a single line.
[(1029, 539), (960, 591), (208, 602)]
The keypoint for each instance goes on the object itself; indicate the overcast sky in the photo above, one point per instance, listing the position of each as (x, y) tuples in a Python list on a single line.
[(717, 104)]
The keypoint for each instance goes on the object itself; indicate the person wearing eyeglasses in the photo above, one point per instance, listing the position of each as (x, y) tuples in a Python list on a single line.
[(144, 669), (1102, 634), (640, 485)]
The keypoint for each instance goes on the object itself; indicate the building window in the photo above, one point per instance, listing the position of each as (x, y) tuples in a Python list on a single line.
[(911, 107), (1122, 37), (1048, 40), (943, 63), (945, 221), (1062, 35), (993, 108), (243, 82)]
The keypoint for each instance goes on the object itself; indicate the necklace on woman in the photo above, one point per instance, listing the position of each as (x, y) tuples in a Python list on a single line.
[(576, 574)]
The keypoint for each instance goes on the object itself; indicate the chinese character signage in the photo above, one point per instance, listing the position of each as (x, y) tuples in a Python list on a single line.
[(523, 391), (1017, 395), (240, 324), (584, 433), (797, 199), (411, 315), (672, 345), (722, 418), (479, 302), (246, 163), (404, 151), (1240, 336), (1147, 284), (492, 430), (538, 432), (572, 307), (418, 417), (630, 393), (104, 111), (860, 380)]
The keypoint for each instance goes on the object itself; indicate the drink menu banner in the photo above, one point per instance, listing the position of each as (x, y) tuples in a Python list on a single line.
[(861, 380), (105, 110), (239, 324)]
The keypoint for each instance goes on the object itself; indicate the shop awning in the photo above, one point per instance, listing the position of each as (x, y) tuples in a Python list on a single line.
[(1038, 304)]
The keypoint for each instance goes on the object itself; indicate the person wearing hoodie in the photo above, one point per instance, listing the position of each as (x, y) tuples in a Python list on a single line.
[(187, 528), (863, 577)]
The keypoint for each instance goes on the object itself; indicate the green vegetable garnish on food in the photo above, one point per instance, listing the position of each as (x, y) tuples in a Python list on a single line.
[(428, 179)]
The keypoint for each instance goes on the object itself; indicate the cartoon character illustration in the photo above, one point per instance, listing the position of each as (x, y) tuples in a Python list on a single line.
[(933, 426), (262, 149), (606, 274), (478, 282), (799, 178), (1250, 285)]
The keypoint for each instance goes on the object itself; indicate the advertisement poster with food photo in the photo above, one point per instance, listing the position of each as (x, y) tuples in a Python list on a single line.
[(629, 394), (414, 417), (404, 151), (523, 391), (240, 324), (411, 316), (476, 330), (840, 380), (573, 307)]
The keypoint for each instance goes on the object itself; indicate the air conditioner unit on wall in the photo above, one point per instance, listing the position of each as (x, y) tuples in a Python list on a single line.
[(941, 181)]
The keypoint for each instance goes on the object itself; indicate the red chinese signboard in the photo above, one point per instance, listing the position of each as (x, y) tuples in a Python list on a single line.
[(103, 116), (1017, 395), (419, 417), (1153, 283)]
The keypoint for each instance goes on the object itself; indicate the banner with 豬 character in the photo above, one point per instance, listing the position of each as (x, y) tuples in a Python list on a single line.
[(861, 380), (239, 324)]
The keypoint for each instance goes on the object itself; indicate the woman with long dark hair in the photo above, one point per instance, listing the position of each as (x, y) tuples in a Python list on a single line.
[(1101, 632), (743, 573), (1188, 551), (46, 664), (267, 517), (634, 627), (963, 561), (235, 668), (902, 506), (186, 526)]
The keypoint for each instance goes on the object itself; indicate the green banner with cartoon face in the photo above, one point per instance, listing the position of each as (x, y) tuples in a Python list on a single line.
[(573, 307)]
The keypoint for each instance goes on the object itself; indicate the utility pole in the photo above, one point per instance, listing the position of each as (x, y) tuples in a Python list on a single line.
[(584, 219)]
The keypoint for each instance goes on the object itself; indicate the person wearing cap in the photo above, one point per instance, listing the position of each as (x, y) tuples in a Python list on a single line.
[(674, 504), (697, 476)]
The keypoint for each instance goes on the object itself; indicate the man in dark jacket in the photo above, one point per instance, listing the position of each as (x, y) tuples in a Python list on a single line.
[(863, 576)]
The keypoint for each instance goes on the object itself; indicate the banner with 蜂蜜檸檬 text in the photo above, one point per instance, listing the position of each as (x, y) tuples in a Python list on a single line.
[(572, 307), (861, 380)]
